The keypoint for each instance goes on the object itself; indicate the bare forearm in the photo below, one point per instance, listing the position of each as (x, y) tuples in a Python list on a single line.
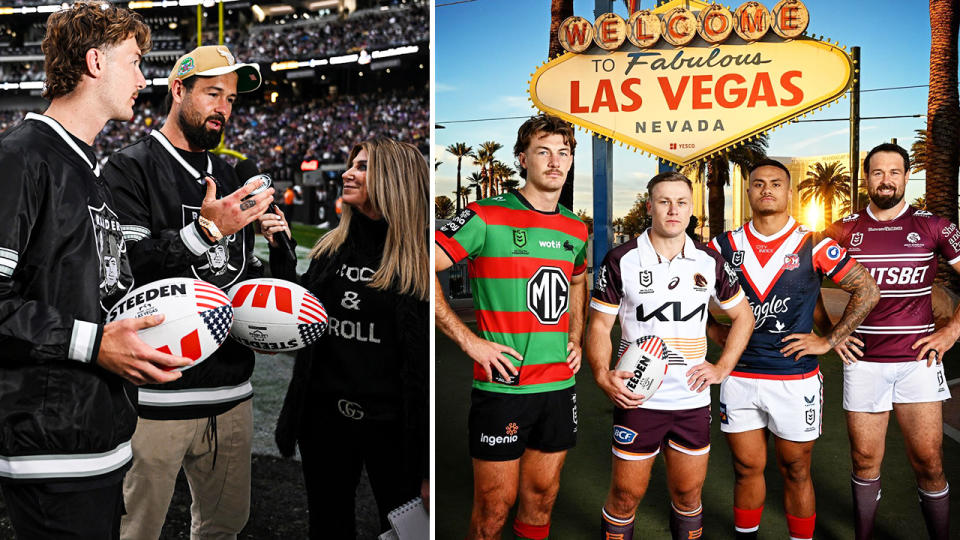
[(821, 318), (598, 349), (864, 295), (578, 301), (447, 321)]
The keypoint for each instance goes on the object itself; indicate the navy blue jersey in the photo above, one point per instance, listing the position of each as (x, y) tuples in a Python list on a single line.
[(781, 276)]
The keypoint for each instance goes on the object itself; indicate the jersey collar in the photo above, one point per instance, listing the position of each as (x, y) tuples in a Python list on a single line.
[(649, 256), (168, 146), (767, 239), (55, 126), (902, 212)]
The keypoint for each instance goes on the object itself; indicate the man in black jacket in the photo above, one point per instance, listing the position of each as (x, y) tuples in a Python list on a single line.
[(66, 412), (166, 186)]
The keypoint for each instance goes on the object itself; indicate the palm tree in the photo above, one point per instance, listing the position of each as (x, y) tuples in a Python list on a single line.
[(476, 182), (824, 183), (918, 152), (443, 207), (489, 148), (920, 202), (862, 200), (500, 173), (460, 150), (463, 196), (943, 119), (482, 159)]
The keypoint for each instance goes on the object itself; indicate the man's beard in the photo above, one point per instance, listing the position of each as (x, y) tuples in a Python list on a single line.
[(886, 202), (199, 135)]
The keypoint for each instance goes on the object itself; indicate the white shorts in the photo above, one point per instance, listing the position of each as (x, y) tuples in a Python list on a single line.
[(876, 386), (790, 408)]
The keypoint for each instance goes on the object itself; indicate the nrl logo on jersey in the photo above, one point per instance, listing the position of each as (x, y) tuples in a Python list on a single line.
[(856, 239), (737, 259), (646, 278), (519, 237)]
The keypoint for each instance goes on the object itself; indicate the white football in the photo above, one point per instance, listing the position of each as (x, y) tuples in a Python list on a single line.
[(274, 315), (646, 358), (197, 316)]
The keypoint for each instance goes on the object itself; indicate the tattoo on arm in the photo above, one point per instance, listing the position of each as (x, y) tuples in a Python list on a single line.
[(247, 204), (864, 295)]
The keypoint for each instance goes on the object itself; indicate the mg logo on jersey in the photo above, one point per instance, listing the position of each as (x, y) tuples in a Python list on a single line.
[(519, 237), (548, 294), (856, 239), (646, 278), (737, 259)]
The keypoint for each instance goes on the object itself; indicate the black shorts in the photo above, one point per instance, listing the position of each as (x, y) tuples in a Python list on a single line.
[(502, 426), (639, 433)]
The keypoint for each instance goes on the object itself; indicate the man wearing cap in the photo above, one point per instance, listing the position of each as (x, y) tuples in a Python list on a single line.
[(183, 214)]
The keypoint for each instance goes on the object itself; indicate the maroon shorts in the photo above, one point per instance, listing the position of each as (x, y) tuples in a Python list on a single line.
[(639, 433)]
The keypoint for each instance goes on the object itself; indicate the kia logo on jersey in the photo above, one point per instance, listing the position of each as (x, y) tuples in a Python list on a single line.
[(547, 294)]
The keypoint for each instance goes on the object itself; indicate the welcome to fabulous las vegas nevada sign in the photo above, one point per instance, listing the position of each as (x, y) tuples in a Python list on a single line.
[(690, 79)]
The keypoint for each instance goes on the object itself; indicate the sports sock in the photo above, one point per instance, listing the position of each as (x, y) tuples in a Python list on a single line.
[(686, 525), (614, 528), (801, 528), (936, 512), (525, 531), (746, 523), (866, 500)]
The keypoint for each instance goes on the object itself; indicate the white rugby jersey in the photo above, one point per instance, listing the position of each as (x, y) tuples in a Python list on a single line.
[(668, 299)]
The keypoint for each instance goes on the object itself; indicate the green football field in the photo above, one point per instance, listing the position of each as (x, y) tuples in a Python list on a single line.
[(585, 478)]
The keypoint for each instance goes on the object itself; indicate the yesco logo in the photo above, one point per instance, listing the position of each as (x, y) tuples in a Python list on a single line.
[(548, 294)]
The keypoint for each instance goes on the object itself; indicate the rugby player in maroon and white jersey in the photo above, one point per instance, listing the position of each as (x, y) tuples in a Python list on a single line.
[(893, 360), (659, 284)]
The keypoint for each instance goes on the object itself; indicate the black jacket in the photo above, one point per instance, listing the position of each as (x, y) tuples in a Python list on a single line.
[(62, 263), (158, 200), (372, 362)]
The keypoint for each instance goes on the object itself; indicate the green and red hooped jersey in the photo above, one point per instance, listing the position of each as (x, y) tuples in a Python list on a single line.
[(521, 262)]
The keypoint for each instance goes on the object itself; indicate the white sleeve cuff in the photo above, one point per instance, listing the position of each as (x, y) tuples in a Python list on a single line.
[(193, 240), (731, 303), (82, 341), (604, 307)]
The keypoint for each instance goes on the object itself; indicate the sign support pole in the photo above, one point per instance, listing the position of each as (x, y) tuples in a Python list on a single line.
[(855, 131), (602, 180)]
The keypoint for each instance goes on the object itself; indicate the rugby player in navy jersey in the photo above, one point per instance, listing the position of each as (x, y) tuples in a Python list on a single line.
[(893, 360), (776, 387), (660, 284)]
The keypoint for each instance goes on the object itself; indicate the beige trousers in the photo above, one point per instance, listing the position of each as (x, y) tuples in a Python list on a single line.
[(221, 495)]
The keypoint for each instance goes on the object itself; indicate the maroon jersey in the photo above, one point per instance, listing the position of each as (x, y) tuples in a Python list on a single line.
[(901, 255)]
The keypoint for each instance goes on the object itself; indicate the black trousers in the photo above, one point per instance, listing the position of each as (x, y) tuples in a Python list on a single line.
[(47, 511), (334, 449)]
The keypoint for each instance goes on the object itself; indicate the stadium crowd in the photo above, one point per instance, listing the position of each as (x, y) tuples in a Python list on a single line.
[(281, 135)]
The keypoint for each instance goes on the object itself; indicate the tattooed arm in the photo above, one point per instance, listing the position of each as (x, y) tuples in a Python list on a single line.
[(864, 295)]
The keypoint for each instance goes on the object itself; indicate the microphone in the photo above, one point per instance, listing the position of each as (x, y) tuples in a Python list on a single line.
[(247, 168)]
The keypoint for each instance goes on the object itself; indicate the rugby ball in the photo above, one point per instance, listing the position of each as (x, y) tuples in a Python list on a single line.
[(197, 316), (274, 315), (646, 358)]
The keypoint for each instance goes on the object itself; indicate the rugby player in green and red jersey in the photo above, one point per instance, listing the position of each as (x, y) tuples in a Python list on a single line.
[(527, 264)]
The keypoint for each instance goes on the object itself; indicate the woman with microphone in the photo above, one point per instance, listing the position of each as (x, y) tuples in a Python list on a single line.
[(359, 397)]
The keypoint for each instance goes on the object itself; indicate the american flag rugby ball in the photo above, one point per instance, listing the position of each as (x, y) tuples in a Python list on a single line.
[(274, 315)]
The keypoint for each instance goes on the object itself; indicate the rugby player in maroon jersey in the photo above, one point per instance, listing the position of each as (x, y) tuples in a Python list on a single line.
[(893, 360), (535, 401)]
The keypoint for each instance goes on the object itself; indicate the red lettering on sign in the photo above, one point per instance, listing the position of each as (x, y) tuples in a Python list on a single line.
[(635, 100), (577, 33), (604, 97), (575, 106), (608, 31), (754, 25), (710, 28), (699, 91), (672, 27), (641, 31), (795, 92), (762, 91), (789, 18), (673, 98), (739, 94)]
